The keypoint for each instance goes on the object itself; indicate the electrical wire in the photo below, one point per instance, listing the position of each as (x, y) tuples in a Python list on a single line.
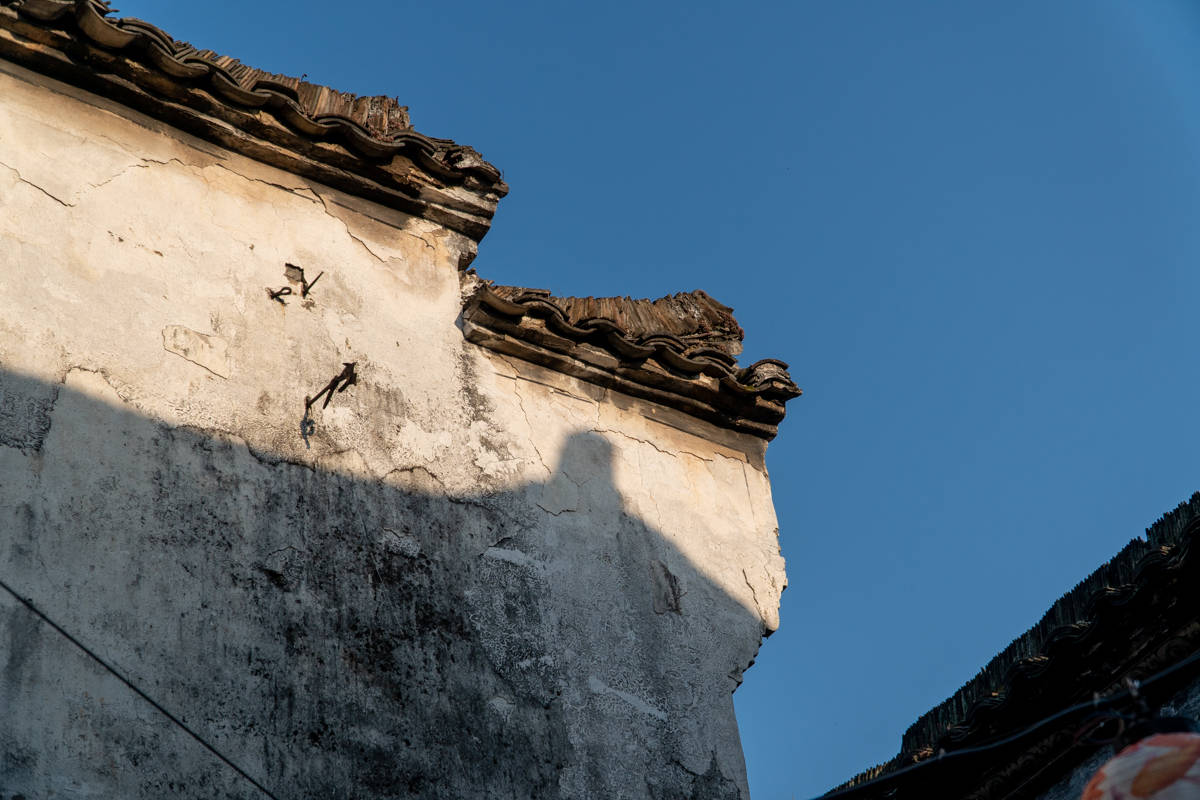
[(179, 723), (1096, 705)]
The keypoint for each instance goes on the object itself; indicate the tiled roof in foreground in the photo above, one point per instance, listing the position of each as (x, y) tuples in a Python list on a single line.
[(362, 145), (678, 350), (1131, 618)]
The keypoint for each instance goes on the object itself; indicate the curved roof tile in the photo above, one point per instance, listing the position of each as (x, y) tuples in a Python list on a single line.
[(677, 350), (372, 131), (1132, 616)]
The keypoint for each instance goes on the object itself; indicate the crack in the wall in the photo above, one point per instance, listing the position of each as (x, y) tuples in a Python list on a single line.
[(266, 458), (418, 468), (468, 501), (107, 181), (525, 414), (558, 513), (325, 202), (754, 596), (361, 243), (750, 496), (207, 351), (742, 460), (298, 191), (145, 163), (518, 376), (423, 240), (565, 503), (21, 178), (672, 453)]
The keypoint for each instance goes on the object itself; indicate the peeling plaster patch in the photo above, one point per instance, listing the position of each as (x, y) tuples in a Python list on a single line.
[(210, 352), (559, 494), (599, 687), (543, 661), (512, 557), (422, 446), (403, 543)]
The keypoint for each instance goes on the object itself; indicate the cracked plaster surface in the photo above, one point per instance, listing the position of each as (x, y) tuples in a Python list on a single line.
[(115, 234)]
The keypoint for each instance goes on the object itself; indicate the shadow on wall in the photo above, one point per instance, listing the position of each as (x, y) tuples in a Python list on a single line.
[(340, 637)]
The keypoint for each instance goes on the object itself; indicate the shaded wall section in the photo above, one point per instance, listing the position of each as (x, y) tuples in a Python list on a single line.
[(335, 636)]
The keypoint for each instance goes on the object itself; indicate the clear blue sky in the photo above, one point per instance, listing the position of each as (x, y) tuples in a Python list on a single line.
[(972, 229)]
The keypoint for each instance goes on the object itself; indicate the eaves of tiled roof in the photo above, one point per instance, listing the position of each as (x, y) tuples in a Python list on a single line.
[(361, 145), (677, 351), (1132, 618)]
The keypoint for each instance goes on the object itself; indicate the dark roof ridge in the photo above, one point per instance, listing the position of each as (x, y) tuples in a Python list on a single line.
[(141, 66), (381, 116), (693, 316), (1069, 620), (677, 353)]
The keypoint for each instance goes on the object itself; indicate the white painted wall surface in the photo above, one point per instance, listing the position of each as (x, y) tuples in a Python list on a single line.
[(480, 578)]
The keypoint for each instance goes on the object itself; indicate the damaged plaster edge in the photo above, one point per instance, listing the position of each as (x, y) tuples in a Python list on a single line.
[(209, 351)]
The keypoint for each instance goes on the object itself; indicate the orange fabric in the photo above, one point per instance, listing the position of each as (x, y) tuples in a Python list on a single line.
[(1162, 771), (1155, 767)]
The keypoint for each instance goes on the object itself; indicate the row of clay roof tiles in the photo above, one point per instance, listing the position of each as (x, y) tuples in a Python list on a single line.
[(1125, 616), (363, 145), (678, 350), (693, 317), (375, 127)]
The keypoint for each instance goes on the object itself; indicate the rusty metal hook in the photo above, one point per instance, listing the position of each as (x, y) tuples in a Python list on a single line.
[(279, 294), (340, 383)]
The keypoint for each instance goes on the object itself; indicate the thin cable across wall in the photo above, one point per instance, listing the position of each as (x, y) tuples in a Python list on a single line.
[(28, 604)]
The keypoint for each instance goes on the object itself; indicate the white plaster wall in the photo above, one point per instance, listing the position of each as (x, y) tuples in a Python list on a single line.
[(608, 572)]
